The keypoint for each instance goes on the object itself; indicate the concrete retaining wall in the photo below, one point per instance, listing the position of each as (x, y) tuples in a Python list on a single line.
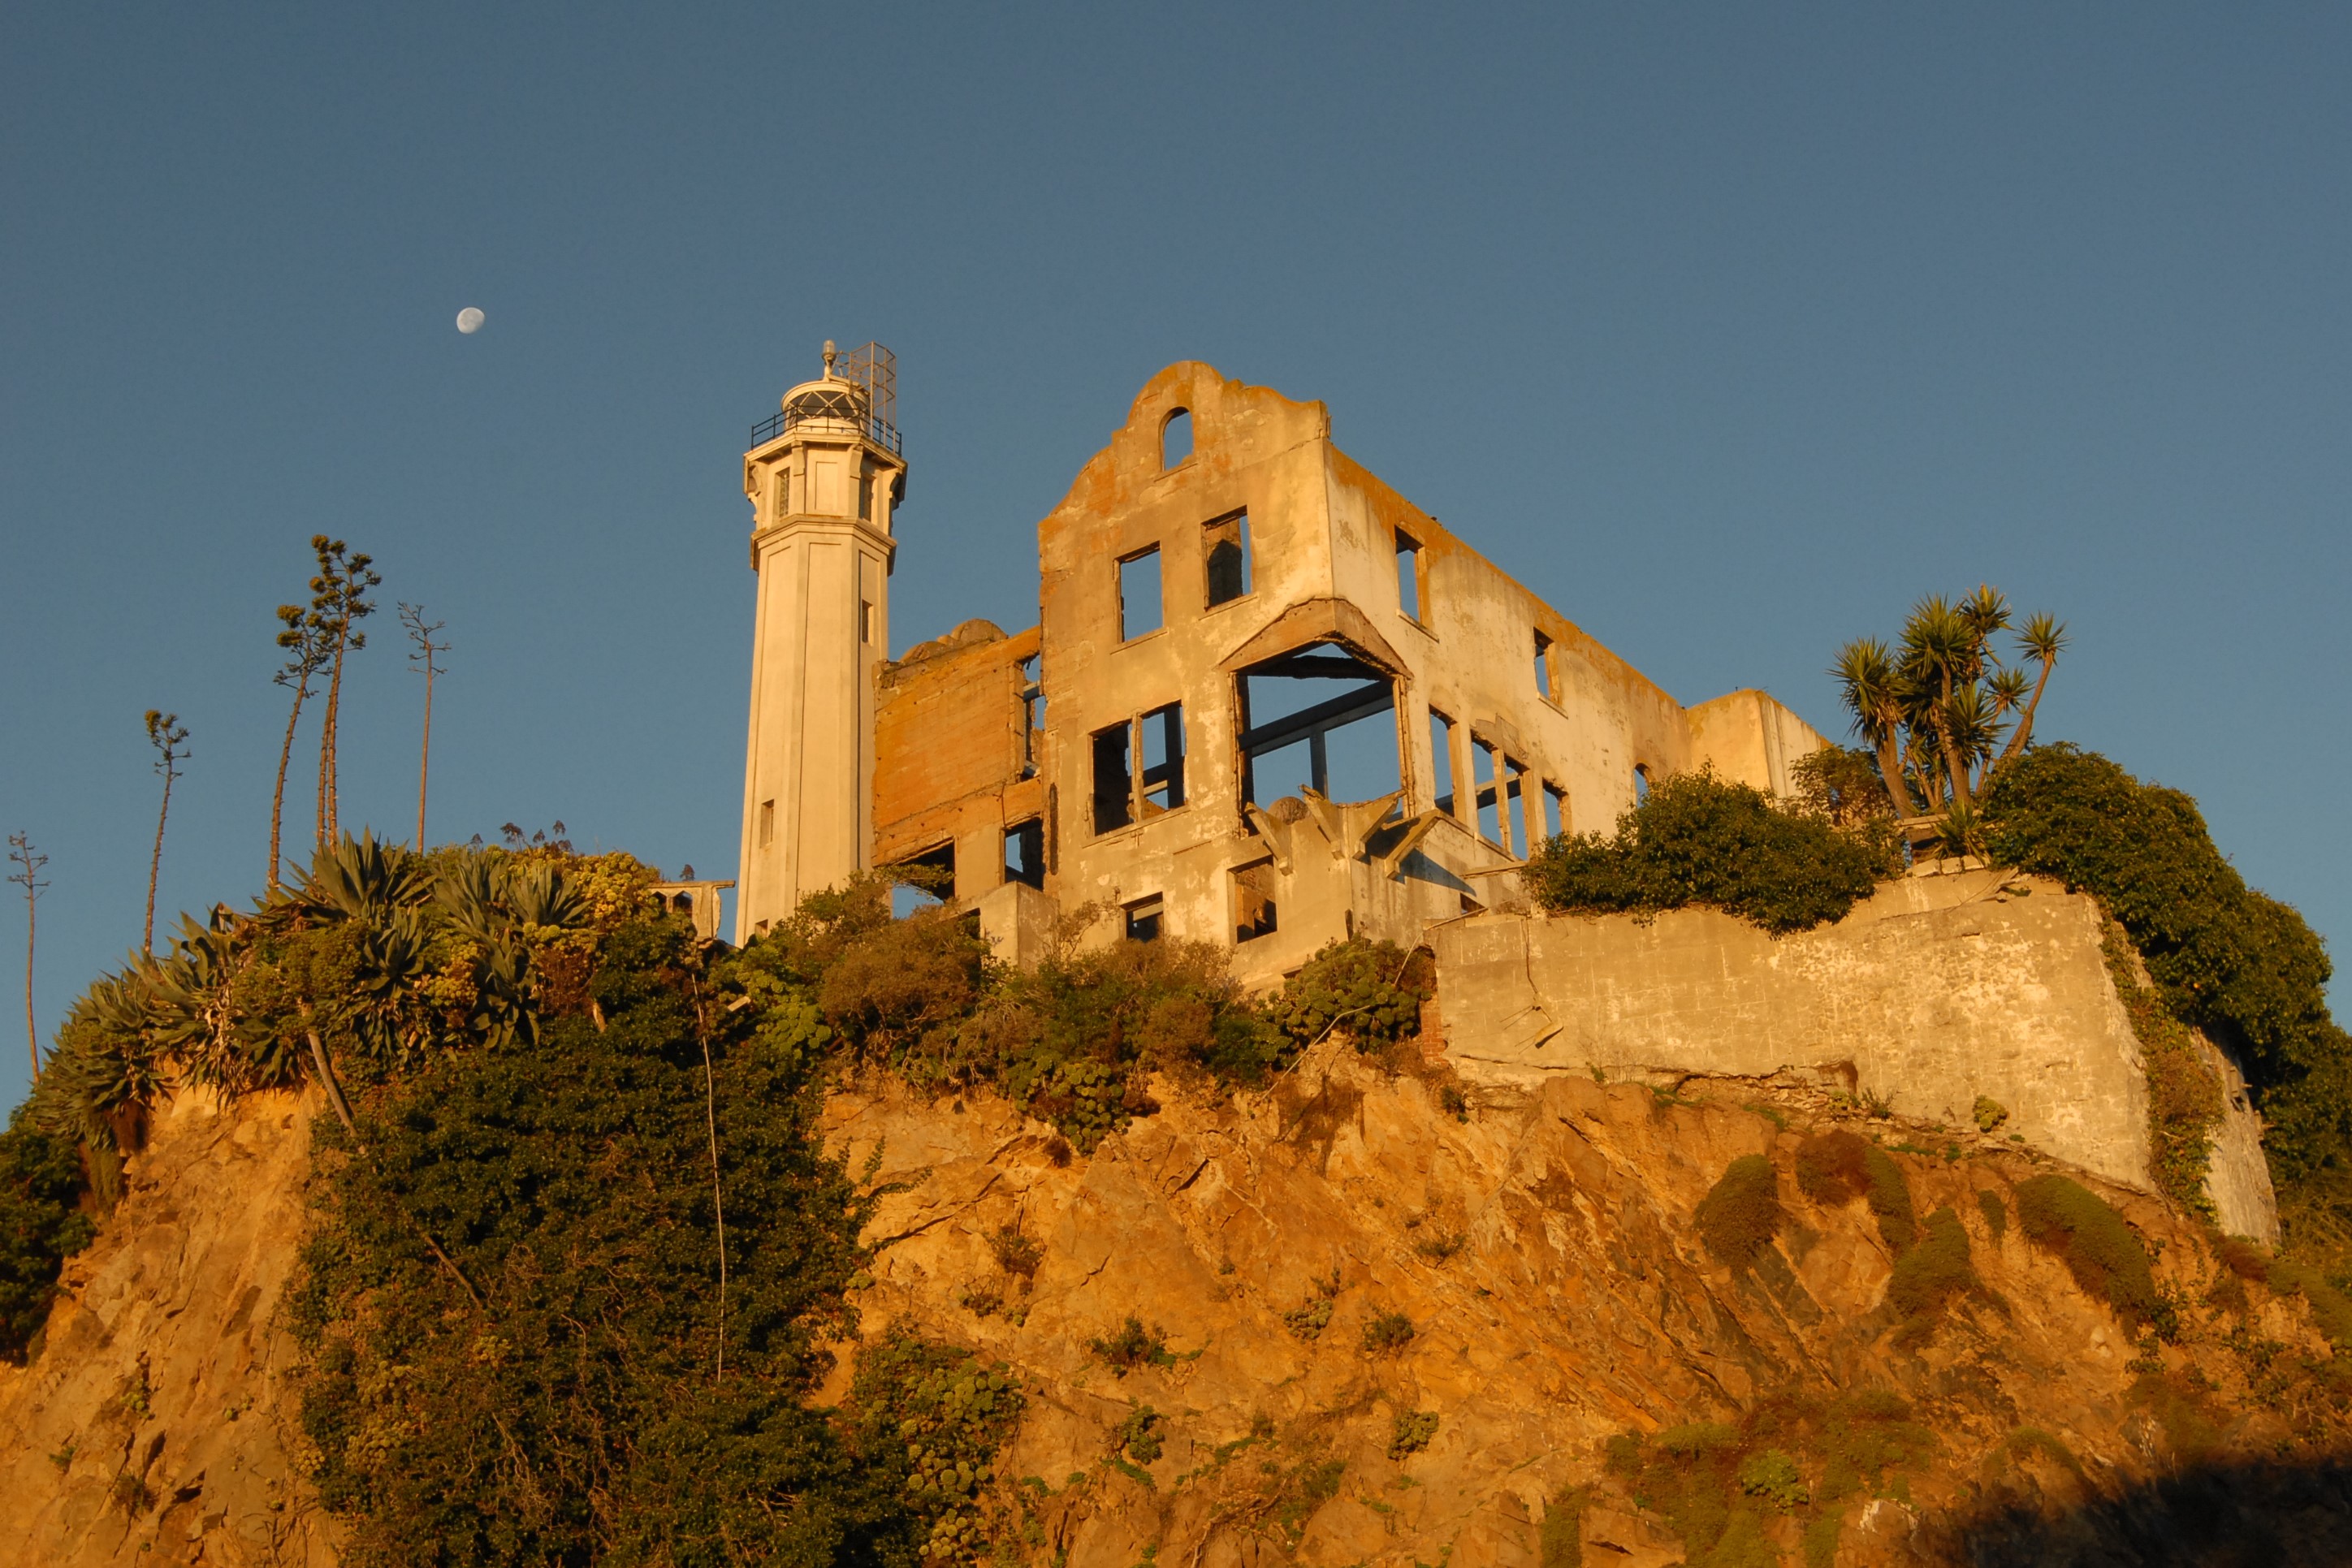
[(1932, 992)]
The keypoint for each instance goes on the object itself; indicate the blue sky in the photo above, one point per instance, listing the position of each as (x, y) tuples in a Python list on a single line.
[(1729, 330)]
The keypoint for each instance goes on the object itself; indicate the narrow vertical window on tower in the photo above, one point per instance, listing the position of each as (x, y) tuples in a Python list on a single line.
[(1138, 594), (1407, 563), (767, 822), (865, 495), (1543, 667), (1228, 558)]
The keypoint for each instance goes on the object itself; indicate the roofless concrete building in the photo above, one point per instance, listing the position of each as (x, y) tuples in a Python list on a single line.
[(1268, 702)]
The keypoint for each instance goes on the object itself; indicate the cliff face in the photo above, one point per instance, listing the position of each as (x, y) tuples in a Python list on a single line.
[(1372, 1329), (153, 1425)]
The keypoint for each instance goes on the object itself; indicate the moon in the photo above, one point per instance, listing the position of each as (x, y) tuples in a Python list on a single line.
[(470, 319)]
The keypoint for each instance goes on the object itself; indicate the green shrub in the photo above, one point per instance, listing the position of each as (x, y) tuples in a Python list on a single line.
[(2184, 1098), (1773, 1475), (1412, 1432), (1138, 1435), (2066, 1220), (1698, 840), (1133, 1346), (1310, 1320), (1996, 1212), (1372, 990), (40, 1226), (1388, 1331), (507, 1307), (1988, 1114), (1741, 1212), (929, 1420), (1838, 1166), (1561, 1537), (2331, 1313), (2243, 968), (1931, 1274)]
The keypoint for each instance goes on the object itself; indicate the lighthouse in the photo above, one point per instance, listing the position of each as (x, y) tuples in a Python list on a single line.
[(824, 477)]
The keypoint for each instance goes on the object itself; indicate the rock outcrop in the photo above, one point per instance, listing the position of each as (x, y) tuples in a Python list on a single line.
[(1373, 1322)]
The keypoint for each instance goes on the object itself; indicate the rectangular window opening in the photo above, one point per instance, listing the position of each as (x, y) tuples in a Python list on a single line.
[(1518, 788), (1490, 814), (1144, 919), (1228, 558), (923, 880), (1254, 910), (1407, 563), (1033, 710), (1441, 761), (1543, 666), (1114, 783), (1024, 853), (865, 621), (1162, 748), (1318, 718), (1138, 595), (1555, 811), (767, 823)]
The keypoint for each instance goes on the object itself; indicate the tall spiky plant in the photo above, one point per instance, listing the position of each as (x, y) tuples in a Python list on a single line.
[(413, 617), (27, 875), (338, 600), (302, 634), (169, 737)]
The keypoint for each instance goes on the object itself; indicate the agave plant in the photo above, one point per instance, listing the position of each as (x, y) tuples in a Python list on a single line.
[(360, 879), (102, 1074)]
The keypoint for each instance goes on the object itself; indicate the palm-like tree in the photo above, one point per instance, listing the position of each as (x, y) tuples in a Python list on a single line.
[(1936, 710)]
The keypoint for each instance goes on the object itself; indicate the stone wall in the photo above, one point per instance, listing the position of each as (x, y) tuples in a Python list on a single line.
[(1936, 991)]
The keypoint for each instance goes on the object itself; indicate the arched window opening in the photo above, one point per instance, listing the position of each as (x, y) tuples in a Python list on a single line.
[(1176, 438), (1641, 783)]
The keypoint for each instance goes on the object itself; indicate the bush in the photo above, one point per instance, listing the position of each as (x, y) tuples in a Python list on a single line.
[(1741, 1212), (1133, 1346), (507, 1307), (1374, 990), (1839, 1167), (1931, 1274), (1698, 839), (2071, 1222), (1388, 1331), (40, 1226), (2243, 968), (931, 1420), (1412, 1432)]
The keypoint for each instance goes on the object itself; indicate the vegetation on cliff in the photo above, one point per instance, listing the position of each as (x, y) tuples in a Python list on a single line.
[(1699, 840)]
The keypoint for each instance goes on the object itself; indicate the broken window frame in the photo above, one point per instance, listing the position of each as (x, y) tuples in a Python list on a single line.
[(1149, 789), (1145, 919), (1324, 660), (1441, 762), (1546, 675), (1254, 910), (1214, 540), (1556, 818)]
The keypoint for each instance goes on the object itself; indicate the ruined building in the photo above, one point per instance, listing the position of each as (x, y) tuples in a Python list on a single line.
[(1268, 702)]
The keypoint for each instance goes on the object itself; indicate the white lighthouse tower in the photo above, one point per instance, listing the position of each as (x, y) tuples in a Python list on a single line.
[(824, 477)]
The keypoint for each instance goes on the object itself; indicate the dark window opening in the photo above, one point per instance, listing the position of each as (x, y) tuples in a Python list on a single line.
[(1143, 919), (1176, 438), (1641, 782), (1163, 759), (1024, 853), (1253, 911), (865, 497), (1441, 761), (1318, 717), (1555, 811), (1114, 787), (1229, 558), (1408, 556), (767, 822), (1543, 666), (865, 621), (1138, 595)]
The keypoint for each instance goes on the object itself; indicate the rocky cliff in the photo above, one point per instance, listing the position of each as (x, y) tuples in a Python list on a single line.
[(1357, 1319)]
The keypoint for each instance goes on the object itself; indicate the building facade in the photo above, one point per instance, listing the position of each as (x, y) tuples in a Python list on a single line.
[(1268, 702)]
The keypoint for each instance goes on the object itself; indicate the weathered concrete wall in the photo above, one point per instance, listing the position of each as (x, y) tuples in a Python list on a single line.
[(1934, 991)]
